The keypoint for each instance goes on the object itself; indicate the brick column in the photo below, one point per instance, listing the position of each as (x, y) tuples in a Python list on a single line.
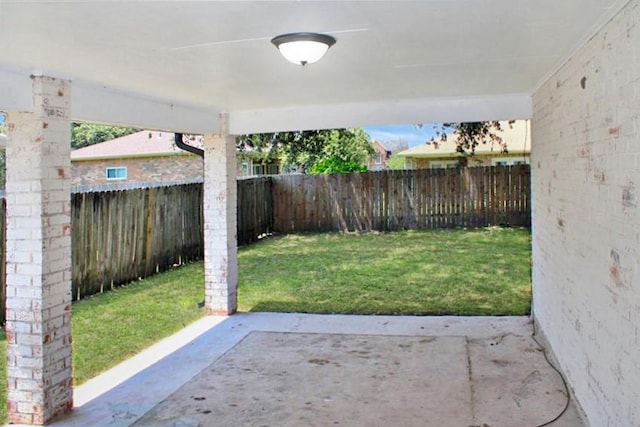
[(39, 256), (220, 232)]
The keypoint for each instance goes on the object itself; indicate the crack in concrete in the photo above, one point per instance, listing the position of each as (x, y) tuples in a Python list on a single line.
[(471, 382)]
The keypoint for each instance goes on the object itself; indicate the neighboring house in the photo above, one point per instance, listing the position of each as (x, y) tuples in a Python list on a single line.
[(383, 151), (517, 137), (252, 163), (145, 156), (150, 157)]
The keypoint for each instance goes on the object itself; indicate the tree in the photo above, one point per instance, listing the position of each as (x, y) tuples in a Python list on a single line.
[(469, 135), (85, 134), (333, 165), (330, 149), (395, 162)]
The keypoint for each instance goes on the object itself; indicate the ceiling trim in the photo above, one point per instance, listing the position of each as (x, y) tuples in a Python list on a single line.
[(414, 111)]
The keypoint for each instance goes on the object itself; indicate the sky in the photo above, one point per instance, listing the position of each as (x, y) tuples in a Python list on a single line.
[(410, 133)]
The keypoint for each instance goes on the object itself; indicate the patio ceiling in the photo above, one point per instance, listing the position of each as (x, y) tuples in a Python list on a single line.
[(176, 65)]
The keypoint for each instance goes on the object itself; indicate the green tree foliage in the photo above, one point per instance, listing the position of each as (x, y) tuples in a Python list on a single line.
[(469, 135), (333, 165), (85, 134), (334, 148), (395, 162)]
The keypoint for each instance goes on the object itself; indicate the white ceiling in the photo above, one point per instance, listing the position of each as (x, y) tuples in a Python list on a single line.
[(177, 64)]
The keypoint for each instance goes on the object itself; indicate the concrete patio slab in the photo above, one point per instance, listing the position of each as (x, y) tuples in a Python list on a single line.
[(268, 369), (324, 379)]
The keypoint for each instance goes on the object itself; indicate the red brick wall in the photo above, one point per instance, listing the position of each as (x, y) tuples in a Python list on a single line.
[(144, 169), (379, 149)]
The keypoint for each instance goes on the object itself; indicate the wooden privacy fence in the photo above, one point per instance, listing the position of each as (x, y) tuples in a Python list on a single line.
[(412, 199), (255, 209), (119, 236)]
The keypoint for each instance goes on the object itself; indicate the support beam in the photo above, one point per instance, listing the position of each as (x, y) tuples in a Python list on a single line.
[(400, 111), (220, 232), (39, 256), (99, 103)]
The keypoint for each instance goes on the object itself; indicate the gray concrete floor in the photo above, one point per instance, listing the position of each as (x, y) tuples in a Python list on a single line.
[(268, 369)]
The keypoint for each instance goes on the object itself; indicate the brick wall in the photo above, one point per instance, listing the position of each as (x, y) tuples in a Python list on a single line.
[(381, 155), (586, 219), (220, 219), (179, 167), (38, 282)]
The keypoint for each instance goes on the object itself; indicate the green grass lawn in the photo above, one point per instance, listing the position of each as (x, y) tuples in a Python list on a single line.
[(460, 272), (111, 327), (481, 272), (114, 326)]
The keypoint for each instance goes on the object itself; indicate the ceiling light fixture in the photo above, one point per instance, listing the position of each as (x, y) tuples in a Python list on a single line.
[(303, 48)]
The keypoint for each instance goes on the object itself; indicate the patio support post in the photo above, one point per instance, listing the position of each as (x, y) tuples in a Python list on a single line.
[(38, 245), (220, 232)]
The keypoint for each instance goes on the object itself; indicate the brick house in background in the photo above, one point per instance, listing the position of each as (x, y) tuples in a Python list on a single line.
[(383, 151), (150, 157), (142, 157)]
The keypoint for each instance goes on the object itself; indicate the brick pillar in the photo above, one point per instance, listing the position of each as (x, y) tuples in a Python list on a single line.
[(220, 232), (39, 256)]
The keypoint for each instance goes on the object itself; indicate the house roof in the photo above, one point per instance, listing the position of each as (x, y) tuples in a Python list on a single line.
[(517, 137), (394, 145), (145, 143), (180, 66)]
